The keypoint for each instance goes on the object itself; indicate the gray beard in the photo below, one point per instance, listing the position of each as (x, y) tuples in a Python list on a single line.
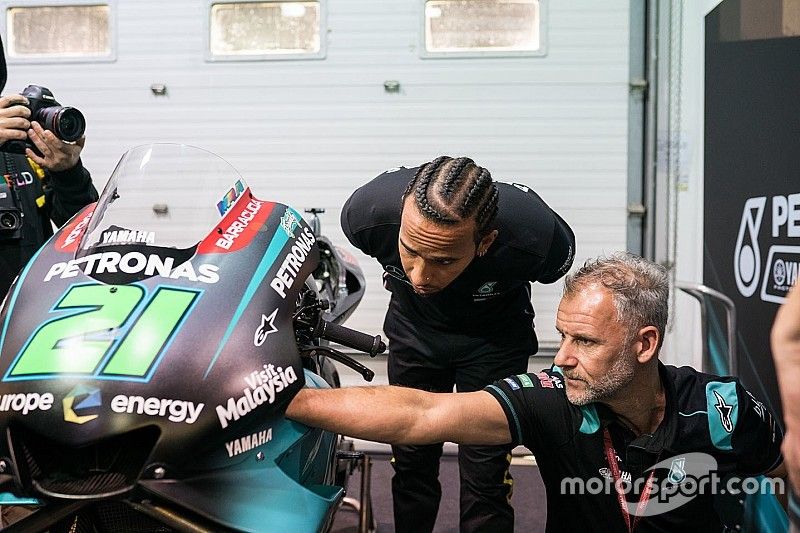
[(620, 375)]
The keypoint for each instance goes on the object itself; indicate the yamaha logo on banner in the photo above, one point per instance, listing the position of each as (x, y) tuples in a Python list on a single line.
[(782, 261)]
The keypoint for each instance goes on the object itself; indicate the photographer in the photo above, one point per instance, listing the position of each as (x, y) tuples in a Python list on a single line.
[(51, 186)]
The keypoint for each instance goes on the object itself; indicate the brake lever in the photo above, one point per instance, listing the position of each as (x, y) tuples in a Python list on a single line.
[(346, 360)]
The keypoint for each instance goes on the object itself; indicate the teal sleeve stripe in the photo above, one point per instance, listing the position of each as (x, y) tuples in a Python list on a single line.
[(511, 409), (722, 403), (591, 421)]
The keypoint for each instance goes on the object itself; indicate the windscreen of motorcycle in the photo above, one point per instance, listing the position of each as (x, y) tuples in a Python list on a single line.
[(162, 195), (173, 309)]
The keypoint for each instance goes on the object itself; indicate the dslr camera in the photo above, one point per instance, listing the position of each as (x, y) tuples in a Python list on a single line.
[(66, 123), (10, 213)]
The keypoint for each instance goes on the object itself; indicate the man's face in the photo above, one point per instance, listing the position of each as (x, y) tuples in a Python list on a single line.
[(433, 255), (596, 357)]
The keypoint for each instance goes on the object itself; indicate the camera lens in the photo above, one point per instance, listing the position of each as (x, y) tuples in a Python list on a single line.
[(70, 124), (8, 220), (67, 123)]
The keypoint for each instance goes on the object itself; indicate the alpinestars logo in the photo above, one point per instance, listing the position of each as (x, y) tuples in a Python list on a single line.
[(81, 404), (747, 255), (267, 326), (724, 411)]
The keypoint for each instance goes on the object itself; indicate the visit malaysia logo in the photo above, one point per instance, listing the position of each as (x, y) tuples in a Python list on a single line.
[(80, 405)]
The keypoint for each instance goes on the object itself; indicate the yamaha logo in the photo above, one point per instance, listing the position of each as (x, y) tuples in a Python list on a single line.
[(779, 272)]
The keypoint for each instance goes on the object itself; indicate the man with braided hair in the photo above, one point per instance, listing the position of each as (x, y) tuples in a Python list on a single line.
[(459, 252)]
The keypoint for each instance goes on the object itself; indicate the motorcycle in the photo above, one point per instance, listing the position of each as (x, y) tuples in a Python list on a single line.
[(148, 352)]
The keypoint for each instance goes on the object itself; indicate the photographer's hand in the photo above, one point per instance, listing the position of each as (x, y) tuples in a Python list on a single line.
[(14, 116), (57, 155)]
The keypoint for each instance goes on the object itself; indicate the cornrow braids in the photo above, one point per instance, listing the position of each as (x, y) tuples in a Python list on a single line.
[(450, 190)]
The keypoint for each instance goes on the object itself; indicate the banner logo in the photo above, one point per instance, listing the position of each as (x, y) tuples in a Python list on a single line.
[(747, 255)]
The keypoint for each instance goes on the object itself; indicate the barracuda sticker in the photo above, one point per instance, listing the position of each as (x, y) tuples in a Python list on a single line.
[(293, 262), (104, 332), (240, 224)]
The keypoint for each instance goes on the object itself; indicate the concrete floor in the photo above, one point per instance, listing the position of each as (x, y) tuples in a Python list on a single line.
[(529, 501)]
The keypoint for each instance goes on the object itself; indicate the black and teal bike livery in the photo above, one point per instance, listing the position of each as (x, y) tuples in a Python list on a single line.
[(148, 352)]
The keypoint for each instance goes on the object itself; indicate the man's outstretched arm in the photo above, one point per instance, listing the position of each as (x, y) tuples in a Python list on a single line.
[(785, 337), (400, 415)]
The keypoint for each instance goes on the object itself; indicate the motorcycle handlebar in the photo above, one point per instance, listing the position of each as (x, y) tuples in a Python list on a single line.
[(352, 338)]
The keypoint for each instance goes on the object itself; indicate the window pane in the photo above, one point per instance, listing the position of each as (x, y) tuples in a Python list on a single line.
[(478, 25), (259, 28), (69, 31)]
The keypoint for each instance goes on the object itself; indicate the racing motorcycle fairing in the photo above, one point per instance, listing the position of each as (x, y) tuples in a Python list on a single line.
[(133, 330)]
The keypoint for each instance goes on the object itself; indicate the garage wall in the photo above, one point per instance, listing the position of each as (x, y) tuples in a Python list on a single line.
[(307, 132)]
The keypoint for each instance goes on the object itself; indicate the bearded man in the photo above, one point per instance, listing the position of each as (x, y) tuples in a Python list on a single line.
[(622, 441)]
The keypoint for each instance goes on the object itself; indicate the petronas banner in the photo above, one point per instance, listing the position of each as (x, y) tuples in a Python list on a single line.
[(752, 175)]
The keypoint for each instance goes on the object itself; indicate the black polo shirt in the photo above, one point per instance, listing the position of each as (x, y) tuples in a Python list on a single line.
[(711, 424), (533, 244)]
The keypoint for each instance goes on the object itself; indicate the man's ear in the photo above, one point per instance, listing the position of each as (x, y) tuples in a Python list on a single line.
[(486, 242), (646, 342)]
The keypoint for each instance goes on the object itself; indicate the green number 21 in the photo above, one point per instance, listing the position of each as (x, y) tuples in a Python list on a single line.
[(86, 340)]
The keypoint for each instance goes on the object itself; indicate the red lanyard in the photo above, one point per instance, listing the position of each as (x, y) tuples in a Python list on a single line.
[(644, 498)]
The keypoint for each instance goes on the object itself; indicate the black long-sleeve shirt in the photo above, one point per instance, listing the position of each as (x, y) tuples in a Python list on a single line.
[(533, 244), (55, 196)]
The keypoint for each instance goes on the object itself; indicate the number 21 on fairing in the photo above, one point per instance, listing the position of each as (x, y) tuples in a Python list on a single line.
[(107, 334)]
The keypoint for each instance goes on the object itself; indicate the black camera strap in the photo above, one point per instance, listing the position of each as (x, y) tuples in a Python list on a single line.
[(9, 167), (3, 68)]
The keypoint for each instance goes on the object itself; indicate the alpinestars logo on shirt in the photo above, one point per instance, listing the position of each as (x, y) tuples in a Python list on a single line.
[(724, 411)]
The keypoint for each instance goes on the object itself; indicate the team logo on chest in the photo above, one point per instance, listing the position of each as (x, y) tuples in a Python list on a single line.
[(677, 471), (486, 291)]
